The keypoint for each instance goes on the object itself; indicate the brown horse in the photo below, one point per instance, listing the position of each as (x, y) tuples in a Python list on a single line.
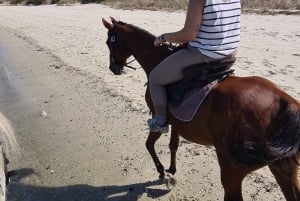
[(249, 120)]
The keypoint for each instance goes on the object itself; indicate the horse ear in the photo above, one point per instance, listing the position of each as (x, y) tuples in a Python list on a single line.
[(113, 20), (107, 24)]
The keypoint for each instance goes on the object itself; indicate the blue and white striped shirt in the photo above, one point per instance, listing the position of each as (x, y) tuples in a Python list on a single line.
[(219, 33)]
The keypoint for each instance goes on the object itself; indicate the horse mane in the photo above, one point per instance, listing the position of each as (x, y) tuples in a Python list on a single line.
[(138, 29)]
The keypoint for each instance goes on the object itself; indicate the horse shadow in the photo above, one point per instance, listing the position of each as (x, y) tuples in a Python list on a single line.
[(81, 192)]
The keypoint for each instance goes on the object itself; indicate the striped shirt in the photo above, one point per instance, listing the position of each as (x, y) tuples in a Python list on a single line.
[(219, 33)]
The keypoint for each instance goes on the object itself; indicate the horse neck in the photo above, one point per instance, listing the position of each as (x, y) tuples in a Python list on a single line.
[(147, 55), (152, 58)]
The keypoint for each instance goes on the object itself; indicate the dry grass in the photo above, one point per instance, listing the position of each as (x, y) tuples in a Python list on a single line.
[(267, 6), (181, 4), (271, 4), (169, 5)]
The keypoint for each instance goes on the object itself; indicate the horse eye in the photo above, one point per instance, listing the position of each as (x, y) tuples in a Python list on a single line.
[(112, 39)]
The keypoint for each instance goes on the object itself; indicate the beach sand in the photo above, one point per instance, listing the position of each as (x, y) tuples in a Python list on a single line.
[(89, 142)]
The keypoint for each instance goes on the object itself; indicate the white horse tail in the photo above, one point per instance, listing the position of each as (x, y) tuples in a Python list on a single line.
[(8, 147), (7, 137)]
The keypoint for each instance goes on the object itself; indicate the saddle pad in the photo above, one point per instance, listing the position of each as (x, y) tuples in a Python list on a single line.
[(191, 102)]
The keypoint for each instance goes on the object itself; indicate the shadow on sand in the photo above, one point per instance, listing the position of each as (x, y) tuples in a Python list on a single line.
[(131, 192)]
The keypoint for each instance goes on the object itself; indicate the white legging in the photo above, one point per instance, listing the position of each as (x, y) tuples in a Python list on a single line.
[(169, 71)]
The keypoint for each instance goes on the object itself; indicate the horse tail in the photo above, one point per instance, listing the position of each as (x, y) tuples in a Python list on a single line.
[(7, 137), (283, 140), (285, 143)]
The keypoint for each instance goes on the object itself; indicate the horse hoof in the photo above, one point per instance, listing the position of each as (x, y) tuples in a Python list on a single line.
[(170, 181), (161, 176)]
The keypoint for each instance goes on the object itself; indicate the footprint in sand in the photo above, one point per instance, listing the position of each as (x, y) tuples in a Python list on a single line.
[(245, 64), (290, 68), (268, 63), (296, 54), (270, 67)]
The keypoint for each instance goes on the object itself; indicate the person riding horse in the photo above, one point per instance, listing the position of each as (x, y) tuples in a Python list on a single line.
[(212, 31)]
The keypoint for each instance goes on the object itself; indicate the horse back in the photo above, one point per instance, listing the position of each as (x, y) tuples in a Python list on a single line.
[(253, 94)]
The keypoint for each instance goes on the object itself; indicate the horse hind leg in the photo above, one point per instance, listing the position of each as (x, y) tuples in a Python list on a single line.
[(285, 172), (232, 178), (232, 175)]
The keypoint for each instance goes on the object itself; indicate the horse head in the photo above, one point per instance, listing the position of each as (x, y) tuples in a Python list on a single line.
[(125, 40), (119, 51)]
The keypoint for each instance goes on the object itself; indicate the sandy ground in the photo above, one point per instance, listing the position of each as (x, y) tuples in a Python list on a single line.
[(89, 145)]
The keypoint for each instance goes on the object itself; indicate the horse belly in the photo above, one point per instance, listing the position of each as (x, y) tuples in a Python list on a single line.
[(197, 130)]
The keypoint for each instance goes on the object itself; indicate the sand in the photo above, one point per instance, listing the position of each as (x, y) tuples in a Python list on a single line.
[(82, 130)]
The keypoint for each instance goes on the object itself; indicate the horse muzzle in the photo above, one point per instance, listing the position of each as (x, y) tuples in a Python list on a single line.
[(116, 69)]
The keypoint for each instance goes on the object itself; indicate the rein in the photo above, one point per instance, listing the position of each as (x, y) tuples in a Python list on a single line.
[(171, 47), (134, 59), (129, 62)]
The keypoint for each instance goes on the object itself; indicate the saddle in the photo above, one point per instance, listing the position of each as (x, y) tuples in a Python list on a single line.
[(198, 75)]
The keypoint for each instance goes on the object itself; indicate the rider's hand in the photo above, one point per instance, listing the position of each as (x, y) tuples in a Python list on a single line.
[(159, 41)]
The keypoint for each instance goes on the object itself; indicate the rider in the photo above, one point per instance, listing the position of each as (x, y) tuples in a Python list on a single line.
[(212, 31)]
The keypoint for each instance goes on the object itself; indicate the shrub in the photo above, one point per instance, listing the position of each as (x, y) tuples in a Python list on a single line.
[(91, 1), (34, 2), (15, 1), (54, 1)]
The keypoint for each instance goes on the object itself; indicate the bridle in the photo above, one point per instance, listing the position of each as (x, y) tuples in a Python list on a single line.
[(113, 47)]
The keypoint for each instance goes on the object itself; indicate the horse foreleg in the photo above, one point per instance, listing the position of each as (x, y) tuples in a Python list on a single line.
[(174, 143), (152, 138)]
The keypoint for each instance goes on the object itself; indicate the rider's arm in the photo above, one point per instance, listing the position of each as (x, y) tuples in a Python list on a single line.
[(191, 27)]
